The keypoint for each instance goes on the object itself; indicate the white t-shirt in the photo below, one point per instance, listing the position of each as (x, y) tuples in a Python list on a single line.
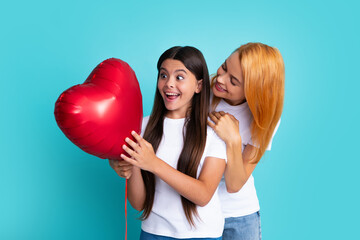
[(167, 217), (245, 201)]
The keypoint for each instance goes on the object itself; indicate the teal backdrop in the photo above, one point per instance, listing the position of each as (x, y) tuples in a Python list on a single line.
[(50, 189)]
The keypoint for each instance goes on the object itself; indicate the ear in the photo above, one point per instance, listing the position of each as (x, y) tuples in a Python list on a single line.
[(199, 86)]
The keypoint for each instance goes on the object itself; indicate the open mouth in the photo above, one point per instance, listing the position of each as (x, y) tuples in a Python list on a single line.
[(219, 88), (171, 96)]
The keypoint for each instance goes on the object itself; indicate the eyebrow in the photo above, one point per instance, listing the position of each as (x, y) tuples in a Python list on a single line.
[(177, 70), (181, 70)]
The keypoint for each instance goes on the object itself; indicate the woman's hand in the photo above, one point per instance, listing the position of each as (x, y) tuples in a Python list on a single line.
[(226, 126), (122, 168), (142, 153)]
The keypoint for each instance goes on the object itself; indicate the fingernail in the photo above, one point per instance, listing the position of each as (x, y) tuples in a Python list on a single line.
[(126, 139), (132, 132), (122, 155), (123, 146)]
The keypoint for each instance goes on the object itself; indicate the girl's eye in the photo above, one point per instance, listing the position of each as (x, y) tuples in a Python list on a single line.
[(162, 75), (232, 82), (179, 77)]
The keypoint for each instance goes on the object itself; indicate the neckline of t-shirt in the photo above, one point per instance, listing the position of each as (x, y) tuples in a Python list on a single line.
[(175, 120), (235, 107)]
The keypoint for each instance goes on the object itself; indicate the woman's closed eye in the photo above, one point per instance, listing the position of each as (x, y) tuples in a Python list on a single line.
[(223, 66)]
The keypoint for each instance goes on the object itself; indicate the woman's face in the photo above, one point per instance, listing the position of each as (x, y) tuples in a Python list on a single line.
[(177, 86), (229, 83)]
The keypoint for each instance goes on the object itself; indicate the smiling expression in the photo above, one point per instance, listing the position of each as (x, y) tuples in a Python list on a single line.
[(177, 86), (229, 83)]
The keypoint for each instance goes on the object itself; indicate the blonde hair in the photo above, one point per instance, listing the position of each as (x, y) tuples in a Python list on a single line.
[(264, 84)]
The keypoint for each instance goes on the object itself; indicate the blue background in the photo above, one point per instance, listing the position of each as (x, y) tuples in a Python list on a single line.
[(50, 189)]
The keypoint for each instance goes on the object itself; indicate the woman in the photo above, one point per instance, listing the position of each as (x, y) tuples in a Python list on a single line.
[(248, 94)]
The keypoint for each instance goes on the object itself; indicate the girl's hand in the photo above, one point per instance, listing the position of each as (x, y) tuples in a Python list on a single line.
[(122, 168), (226, 126), (142, 153)]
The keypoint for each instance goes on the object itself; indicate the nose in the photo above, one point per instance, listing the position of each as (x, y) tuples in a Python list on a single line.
[(221, 78), (221, 75), (170, 82)]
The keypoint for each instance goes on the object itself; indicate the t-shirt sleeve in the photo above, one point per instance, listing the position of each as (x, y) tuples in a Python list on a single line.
[(144, 124), (275, 130), (269, 145), (216, 147)]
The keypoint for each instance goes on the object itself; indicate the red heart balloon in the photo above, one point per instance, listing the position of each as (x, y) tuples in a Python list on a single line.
[(99, 114)]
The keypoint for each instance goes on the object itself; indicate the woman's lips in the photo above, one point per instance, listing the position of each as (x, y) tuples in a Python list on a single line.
[(219, 88)]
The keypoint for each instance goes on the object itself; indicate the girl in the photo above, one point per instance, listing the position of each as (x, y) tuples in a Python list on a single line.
[(248, 94), (177, 186)]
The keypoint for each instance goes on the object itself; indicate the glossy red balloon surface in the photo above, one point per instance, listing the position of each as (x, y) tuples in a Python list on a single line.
[(99, 114)]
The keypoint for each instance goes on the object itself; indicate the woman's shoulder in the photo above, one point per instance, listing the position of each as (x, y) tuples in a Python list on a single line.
[(240, 112)]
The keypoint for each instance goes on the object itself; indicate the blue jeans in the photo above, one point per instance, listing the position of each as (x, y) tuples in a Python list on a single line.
[(243, 228), (149, 236)]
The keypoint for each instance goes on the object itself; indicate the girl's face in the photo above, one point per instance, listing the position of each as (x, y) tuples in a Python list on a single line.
[(229, 83), (177, 85)]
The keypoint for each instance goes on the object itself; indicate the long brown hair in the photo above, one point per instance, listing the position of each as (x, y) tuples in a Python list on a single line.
[(264, 85), (194, 132)]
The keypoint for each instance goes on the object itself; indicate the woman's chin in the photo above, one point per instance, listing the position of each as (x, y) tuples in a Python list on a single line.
[(217, 93)]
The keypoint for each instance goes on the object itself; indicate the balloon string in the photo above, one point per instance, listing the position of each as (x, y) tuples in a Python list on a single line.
[(126, 186)]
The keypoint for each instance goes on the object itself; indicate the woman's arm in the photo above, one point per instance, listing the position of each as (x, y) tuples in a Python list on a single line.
[(239, 166), (199, 191)]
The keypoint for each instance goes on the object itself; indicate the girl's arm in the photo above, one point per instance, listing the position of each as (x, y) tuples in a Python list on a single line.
[(136, 188), (199, 191), (239, 166)]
